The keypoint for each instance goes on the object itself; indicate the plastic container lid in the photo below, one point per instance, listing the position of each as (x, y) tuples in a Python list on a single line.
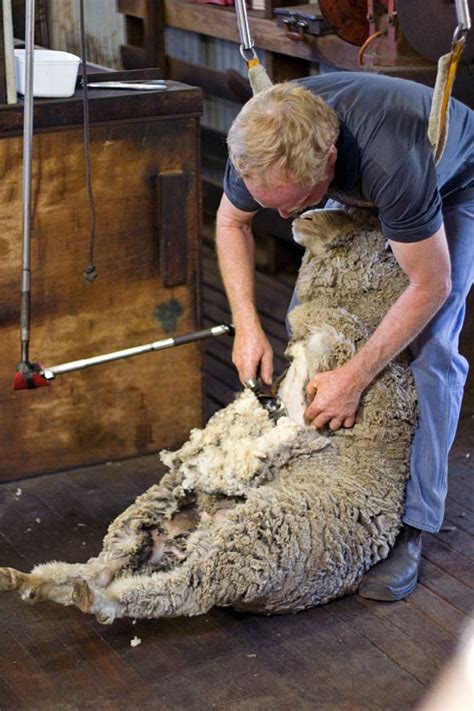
[(48, 56)]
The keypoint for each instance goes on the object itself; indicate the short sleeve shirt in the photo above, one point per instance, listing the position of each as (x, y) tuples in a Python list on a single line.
[(384, 156)]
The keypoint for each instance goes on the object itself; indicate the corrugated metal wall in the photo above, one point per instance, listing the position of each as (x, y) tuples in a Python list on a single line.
[(213, 53), (216, 54), (105, 29)]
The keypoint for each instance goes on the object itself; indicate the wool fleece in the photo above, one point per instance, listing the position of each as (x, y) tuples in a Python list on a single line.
[(268, 517)]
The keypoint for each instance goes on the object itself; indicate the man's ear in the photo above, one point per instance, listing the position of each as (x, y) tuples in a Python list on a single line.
[(332, 155)]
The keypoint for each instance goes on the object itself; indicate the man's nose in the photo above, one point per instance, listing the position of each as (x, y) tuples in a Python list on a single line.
[(284, 214)]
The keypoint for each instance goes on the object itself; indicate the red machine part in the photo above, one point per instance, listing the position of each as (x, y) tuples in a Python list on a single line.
[(373, 26), (28, 376), (406, 32), (348, 19)]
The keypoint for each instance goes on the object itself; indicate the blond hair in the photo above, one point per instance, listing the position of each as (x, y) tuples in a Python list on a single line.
[(284, 131)]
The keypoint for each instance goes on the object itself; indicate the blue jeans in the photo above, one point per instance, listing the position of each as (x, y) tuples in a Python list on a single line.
[(440, 373)]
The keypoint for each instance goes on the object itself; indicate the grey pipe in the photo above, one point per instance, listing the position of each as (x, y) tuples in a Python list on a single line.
[(220, 330), (27, 171), (463, 16), (243, 24)]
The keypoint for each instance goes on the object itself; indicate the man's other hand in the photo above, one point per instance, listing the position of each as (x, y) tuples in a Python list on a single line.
[(334, 399)]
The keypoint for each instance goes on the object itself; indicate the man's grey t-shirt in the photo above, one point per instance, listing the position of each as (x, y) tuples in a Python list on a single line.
[(384, 156)]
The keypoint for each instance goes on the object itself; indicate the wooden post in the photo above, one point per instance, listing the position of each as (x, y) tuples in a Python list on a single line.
[(144, 27), (8, 53), (3, 82), (41, 21)]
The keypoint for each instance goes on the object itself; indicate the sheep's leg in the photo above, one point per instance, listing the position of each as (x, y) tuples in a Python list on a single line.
[(181, 591), (54, 581), (11, 579)]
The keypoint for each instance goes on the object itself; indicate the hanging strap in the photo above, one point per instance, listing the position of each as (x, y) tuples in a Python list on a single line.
[(438, 123)]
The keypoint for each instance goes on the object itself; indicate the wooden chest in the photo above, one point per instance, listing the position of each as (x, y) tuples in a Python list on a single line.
[(146, 180)]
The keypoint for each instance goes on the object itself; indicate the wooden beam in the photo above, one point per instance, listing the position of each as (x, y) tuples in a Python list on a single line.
[(220, 22)]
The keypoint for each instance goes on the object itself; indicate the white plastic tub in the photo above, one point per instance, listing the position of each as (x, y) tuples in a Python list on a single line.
[(54, 74)]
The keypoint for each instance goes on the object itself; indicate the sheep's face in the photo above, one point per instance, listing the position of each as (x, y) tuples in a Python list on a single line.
[(317, 229)]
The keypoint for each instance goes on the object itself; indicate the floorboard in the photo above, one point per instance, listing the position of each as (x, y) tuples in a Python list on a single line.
[(350, 655)]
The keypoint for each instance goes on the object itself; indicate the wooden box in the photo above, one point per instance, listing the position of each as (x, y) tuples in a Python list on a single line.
[(145, 171)]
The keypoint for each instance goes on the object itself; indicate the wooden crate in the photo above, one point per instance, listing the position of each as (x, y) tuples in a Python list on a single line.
[(145, 168)]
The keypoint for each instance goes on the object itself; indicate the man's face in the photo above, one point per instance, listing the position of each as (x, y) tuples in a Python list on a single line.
[(290, 199)]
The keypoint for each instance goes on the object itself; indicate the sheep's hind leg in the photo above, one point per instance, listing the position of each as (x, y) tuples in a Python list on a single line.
[(142, 596), (54, 581), (11, 579), (27, 585), (186, 590)]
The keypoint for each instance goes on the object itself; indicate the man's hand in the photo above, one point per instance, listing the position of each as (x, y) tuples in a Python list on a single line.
[(252, 355), (335, 399)]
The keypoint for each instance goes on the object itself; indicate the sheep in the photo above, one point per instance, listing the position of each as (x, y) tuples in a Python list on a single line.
[(268, 517)]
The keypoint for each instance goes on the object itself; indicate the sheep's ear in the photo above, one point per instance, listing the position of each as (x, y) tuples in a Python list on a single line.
[(318, 229)]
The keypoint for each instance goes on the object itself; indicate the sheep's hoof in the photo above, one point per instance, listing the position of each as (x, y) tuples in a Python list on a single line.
[(9, 579), (82, 596), (31, 594), (105, 618)]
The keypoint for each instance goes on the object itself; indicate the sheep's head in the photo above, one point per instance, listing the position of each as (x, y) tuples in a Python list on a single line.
[(318, 229)]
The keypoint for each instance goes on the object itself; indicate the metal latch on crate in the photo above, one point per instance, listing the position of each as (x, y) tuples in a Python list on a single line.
[(300, 20)]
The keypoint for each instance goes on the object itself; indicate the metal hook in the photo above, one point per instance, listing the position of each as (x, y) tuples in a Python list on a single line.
[(253, 53)]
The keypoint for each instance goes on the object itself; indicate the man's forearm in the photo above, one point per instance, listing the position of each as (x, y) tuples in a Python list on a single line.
[(252, 352), (236, 255), (403, 322)]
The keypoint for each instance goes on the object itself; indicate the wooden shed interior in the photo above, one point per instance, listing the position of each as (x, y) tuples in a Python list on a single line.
[(75, 454)]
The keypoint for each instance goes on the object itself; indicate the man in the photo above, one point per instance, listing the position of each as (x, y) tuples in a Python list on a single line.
[(361, 139)]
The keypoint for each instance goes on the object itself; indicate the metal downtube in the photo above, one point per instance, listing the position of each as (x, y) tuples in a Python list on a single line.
[(27, 171)]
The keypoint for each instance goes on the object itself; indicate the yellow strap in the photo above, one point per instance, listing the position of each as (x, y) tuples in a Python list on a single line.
[(252, 63), (452, 69)]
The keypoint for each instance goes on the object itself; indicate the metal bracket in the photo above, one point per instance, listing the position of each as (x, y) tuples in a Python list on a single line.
[(295, 29)]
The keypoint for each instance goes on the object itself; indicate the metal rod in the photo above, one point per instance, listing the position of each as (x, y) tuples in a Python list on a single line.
[(463, 16), (8, 44), (27, 167), (51, 372), (243, 24)]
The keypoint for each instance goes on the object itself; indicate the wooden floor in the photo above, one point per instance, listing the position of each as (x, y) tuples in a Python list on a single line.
[(352, 654)]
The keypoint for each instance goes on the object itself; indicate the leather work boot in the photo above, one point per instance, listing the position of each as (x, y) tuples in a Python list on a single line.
[(395, 577)]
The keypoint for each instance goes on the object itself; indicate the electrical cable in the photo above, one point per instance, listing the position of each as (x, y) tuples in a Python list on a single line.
[(90, 272), (369, 40)]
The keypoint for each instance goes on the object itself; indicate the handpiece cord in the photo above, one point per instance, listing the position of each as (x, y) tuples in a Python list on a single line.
[(90, 272)]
